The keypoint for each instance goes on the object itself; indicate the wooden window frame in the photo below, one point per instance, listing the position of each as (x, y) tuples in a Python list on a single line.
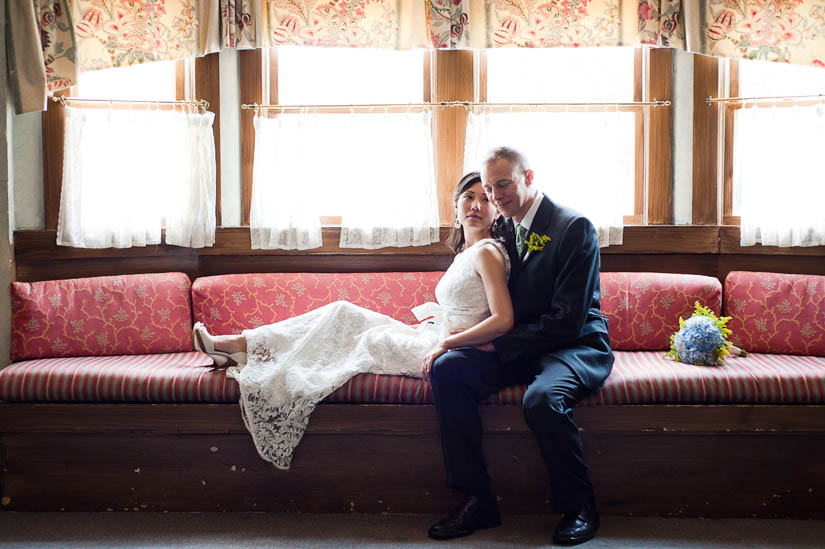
[(461, 75), (206, 79)]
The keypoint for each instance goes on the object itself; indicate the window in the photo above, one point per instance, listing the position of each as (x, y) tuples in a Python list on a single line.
[(133, 168), (343, 76), (773, 177), (348, 147), (562, 141)]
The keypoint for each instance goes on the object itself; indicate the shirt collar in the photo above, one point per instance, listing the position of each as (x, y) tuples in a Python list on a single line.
[(531, 213)]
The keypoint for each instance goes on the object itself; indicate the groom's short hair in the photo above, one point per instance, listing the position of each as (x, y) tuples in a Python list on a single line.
[(516, 159)]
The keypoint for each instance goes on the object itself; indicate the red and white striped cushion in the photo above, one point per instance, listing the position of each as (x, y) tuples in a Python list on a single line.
[(177, 377), (637, 378)]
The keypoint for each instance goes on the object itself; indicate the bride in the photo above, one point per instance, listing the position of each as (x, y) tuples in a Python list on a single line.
[(285, 369)]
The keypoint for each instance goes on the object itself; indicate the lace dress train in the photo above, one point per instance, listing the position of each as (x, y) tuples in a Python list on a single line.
[(294, 364)]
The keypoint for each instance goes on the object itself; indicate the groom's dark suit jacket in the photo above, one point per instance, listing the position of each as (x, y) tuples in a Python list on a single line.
[(556, 295)]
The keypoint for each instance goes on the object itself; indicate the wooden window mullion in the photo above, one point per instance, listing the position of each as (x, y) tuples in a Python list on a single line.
[(454, 82), (660, 167), (251, 71), (705, 141), (728, 218)]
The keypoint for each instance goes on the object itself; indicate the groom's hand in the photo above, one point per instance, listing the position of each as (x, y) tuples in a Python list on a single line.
[(486, 347)]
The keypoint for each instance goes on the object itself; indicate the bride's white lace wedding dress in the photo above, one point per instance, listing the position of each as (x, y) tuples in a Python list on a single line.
[(294, 364)]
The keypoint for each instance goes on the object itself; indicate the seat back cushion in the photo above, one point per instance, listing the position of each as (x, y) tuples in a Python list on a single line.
[(643, 309), (228, 304), (107, 315), (776, 313)]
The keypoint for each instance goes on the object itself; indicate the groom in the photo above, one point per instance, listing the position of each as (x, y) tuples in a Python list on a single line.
[(559, 347)]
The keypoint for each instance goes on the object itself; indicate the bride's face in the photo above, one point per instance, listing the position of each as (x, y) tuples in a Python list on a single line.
[(474, 210)]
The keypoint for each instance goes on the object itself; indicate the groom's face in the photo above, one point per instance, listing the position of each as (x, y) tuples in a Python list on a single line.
[(507, 188)]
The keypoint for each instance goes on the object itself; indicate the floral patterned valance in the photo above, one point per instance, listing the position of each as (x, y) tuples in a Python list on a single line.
[(50, 41)]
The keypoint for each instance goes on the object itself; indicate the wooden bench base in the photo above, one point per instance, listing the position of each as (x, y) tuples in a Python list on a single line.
[(683, 460)]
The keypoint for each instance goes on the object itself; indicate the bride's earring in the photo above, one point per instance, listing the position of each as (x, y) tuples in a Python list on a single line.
[(457, 223)]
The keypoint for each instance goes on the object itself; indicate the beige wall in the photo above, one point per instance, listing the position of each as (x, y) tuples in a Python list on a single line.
[(6, 215)]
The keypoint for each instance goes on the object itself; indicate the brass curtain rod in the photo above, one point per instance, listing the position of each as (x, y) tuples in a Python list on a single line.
[(466, 104), (770, 99), (201, 103)]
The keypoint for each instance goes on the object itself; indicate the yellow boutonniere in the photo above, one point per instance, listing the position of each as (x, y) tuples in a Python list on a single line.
[(536, 242)]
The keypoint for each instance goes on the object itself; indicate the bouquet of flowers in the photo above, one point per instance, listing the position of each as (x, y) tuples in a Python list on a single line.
[(702, 339)]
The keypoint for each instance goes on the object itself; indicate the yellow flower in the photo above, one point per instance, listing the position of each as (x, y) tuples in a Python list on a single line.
[(536, 242)]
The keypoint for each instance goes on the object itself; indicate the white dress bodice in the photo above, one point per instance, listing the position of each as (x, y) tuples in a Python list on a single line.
[(460, 292)]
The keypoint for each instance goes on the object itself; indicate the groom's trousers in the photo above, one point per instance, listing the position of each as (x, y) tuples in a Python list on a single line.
[(464, 377)]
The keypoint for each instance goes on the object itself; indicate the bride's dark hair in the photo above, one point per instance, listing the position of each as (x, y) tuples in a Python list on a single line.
[(455, 239)]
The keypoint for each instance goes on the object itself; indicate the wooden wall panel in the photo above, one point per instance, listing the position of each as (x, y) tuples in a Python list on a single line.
[(705, 141), (54, 128), (251, 71), (454, 82), (711, 251), (198, 457), (660, 162)]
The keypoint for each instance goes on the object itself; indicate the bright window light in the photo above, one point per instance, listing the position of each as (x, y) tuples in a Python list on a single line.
[(765, 78), (550, 75), (333, 76), (146, 82), (572, 153)]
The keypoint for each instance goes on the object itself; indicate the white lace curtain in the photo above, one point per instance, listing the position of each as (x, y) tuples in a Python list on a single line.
[(374, 170), (125, 171), (584, 160), (779, 176)]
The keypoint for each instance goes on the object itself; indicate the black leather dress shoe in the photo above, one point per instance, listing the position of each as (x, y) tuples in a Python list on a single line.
[(577, 527), (470, 515)]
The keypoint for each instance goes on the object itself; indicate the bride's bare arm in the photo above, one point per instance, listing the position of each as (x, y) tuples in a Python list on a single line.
[(491, 267)]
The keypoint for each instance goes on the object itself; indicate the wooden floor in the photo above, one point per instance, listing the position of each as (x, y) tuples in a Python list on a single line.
[(713, 461)]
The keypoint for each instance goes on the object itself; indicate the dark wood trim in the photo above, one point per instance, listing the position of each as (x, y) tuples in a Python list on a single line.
[(705, 140), (208, 87), (711, 251), (399, 419), (39, 245), (667, 239), (251, 71), (660, 163), (54, 131), (733, 91), (199, 457)]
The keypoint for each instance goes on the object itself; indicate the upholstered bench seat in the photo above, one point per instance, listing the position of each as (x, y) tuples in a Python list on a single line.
[(172, 377), (637, 378)]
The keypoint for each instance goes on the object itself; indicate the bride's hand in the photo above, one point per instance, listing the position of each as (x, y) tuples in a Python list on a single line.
[(437, 351)]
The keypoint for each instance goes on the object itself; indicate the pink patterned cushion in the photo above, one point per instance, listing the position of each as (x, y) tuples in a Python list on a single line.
[(643, 309), (228, 304), (776, 313), (108, 315), (177, 377)]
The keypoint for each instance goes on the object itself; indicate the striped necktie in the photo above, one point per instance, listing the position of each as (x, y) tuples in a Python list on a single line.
[(521, 246)]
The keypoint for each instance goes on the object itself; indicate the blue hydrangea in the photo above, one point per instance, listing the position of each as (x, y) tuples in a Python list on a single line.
[(699, 341)]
